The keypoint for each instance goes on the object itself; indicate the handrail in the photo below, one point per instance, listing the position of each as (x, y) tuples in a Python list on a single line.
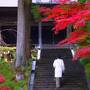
[(32, 75)]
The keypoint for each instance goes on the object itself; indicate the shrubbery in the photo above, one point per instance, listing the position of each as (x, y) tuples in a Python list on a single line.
[(8, 72)]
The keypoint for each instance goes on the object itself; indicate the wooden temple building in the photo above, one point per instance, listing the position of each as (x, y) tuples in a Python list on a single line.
[(41, 32)]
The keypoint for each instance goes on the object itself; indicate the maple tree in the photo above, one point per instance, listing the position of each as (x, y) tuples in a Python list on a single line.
[(76, 14)]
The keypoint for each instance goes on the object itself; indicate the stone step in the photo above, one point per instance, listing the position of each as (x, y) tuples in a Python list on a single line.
[(73, 78), (52, 53), (57, 89)]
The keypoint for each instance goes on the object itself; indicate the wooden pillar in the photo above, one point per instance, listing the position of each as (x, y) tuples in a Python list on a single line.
[(23, 32), (69, 30)]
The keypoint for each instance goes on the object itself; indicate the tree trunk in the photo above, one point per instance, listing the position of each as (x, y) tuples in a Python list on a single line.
[(23, 32)]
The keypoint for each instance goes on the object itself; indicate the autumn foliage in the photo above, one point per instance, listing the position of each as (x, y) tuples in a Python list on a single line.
[(5, 88), (2, 79), (76, 14)]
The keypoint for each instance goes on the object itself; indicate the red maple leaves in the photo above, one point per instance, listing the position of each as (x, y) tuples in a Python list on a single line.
[(75, 37), (2, 79), (82, 53), (76, 14)]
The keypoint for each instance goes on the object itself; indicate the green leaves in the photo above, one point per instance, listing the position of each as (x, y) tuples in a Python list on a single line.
[(88, 26), (35, 12), (84, 61), (82, 1)]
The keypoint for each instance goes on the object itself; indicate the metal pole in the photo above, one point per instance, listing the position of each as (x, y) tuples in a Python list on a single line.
[(68, 31), (40, 35)]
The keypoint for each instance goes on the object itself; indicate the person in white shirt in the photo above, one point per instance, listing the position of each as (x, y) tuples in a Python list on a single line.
[(59, 66)]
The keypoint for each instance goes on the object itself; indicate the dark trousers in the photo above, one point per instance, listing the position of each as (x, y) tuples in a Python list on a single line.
[(58, 82)]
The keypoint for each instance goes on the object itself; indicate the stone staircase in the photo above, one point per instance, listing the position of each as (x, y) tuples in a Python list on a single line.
[(74, 78)]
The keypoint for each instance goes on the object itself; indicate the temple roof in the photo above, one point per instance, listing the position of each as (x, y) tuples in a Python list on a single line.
[(8, 3), (14, 3)]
